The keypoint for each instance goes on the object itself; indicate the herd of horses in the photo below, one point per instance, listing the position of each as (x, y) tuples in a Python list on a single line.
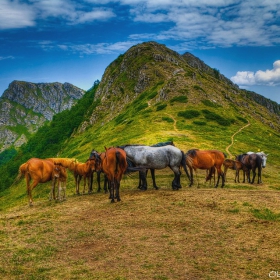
[(120, 160)]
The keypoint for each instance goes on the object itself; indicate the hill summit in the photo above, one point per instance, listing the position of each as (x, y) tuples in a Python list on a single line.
[(150, 73)]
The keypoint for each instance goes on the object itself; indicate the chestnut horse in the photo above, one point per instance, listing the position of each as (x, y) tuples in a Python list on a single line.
[(206, 159), (84, 170), (37, 170), (114, 166), (59, 175)]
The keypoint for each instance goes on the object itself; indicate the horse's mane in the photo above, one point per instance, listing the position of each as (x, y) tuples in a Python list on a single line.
[(192, 152), (66, 162), (160, 144)]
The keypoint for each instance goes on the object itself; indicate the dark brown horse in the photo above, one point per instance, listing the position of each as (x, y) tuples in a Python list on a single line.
[(252, 162), (114, 166), (206, 159), (38, 171)]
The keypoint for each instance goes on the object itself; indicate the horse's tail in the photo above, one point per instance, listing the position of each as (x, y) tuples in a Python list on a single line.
[(21, 172), (183, 163), (117, 162)]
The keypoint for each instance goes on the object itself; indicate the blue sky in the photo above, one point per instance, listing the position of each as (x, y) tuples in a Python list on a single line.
[(75, 40)]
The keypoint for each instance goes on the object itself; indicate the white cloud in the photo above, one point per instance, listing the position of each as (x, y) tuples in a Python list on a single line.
[(14, 14), (268, 77), (6, 57), (101, 48)]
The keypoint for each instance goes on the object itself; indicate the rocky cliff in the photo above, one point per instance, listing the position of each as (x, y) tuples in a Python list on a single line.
[(24, 107)]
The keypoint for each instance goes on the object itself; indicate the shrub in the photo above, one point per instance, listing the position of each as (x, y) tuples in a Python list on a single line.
[(199, 123), (180, 99), (161, 107), (189, 114), (209, 103), (215, 117)]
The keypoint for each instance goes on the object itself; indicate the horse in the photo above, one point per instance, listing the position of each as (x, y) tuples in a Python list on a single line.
[(84, 170), (147, 157), (98, 157), (262, 155), (251, 161), (239, 166), (38, 171), (206, 159), (114, 166), (140, 185), (234, 165), (68, 163), (59, 174)]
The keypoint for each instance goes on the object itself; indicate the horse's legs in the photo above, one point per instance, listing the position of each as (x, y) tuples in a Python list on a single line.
[(31, 187), (225, 172), (117, 185), (154, 179), (106, 182), (27, 178), (259, 175), (53, 189), (112, 191), (254, 175), (191, 176), (143, 177), (176, 181), (90, 183), (236, 176), (220, 174)]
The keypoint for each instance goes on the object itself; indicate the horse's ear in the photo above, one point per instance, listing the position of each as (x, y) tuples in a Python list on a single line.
[(105, 148)]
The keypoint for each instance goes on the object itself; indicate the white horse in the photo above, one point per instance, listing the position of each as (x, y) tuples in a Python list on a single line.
[(147, 157)]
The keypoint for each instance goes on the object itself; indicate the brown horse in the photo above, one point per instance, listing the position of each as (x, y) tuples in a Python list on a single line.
[(114, 166), (206, 159), (69, 163), (84, 170), (59, 175), (37, 170), (234, 165)]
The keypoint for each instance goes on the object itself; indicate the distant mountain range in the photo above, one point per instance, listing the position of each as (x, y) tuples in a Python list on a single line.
[(25, 106)]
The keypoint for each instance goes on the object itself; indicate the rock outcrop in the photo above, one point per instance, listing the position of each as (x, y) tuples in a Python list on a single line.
[(24, 107)]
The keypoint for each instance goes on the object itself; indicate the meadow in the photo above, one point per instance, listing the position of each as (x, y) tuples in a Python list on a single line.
[(194, 233)]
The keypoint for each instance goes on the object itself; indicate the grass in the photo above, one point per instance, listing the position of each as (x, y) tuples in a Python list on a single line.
[(193, 233)]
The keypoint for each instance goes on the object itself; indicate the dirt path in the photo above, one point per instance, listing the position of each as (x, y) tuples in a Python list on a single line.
[(174, 123), (232, 139)]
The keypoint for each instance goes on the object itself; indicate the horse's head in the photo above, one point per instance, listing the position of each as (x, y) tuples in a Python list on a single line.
[(95, 161), (57, 170), (264, 158)]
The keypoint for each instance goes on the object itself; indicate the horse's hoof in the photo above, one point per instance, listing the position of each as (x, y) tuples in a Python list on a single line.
[(143, 189)]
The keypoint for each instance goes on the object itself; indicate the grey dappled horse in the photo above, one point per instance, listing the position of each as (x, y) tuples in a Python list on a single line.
[(147, 157)]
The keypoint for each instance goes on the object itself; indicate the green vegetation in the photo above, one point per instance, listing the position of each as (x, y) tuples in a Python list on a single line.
[(179, 99), (209, 115), (50, 139), (189, 114)]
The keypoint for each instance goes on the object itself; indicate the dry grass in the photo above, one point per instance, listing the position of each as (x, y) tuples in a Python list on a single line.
[(193, 233)]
